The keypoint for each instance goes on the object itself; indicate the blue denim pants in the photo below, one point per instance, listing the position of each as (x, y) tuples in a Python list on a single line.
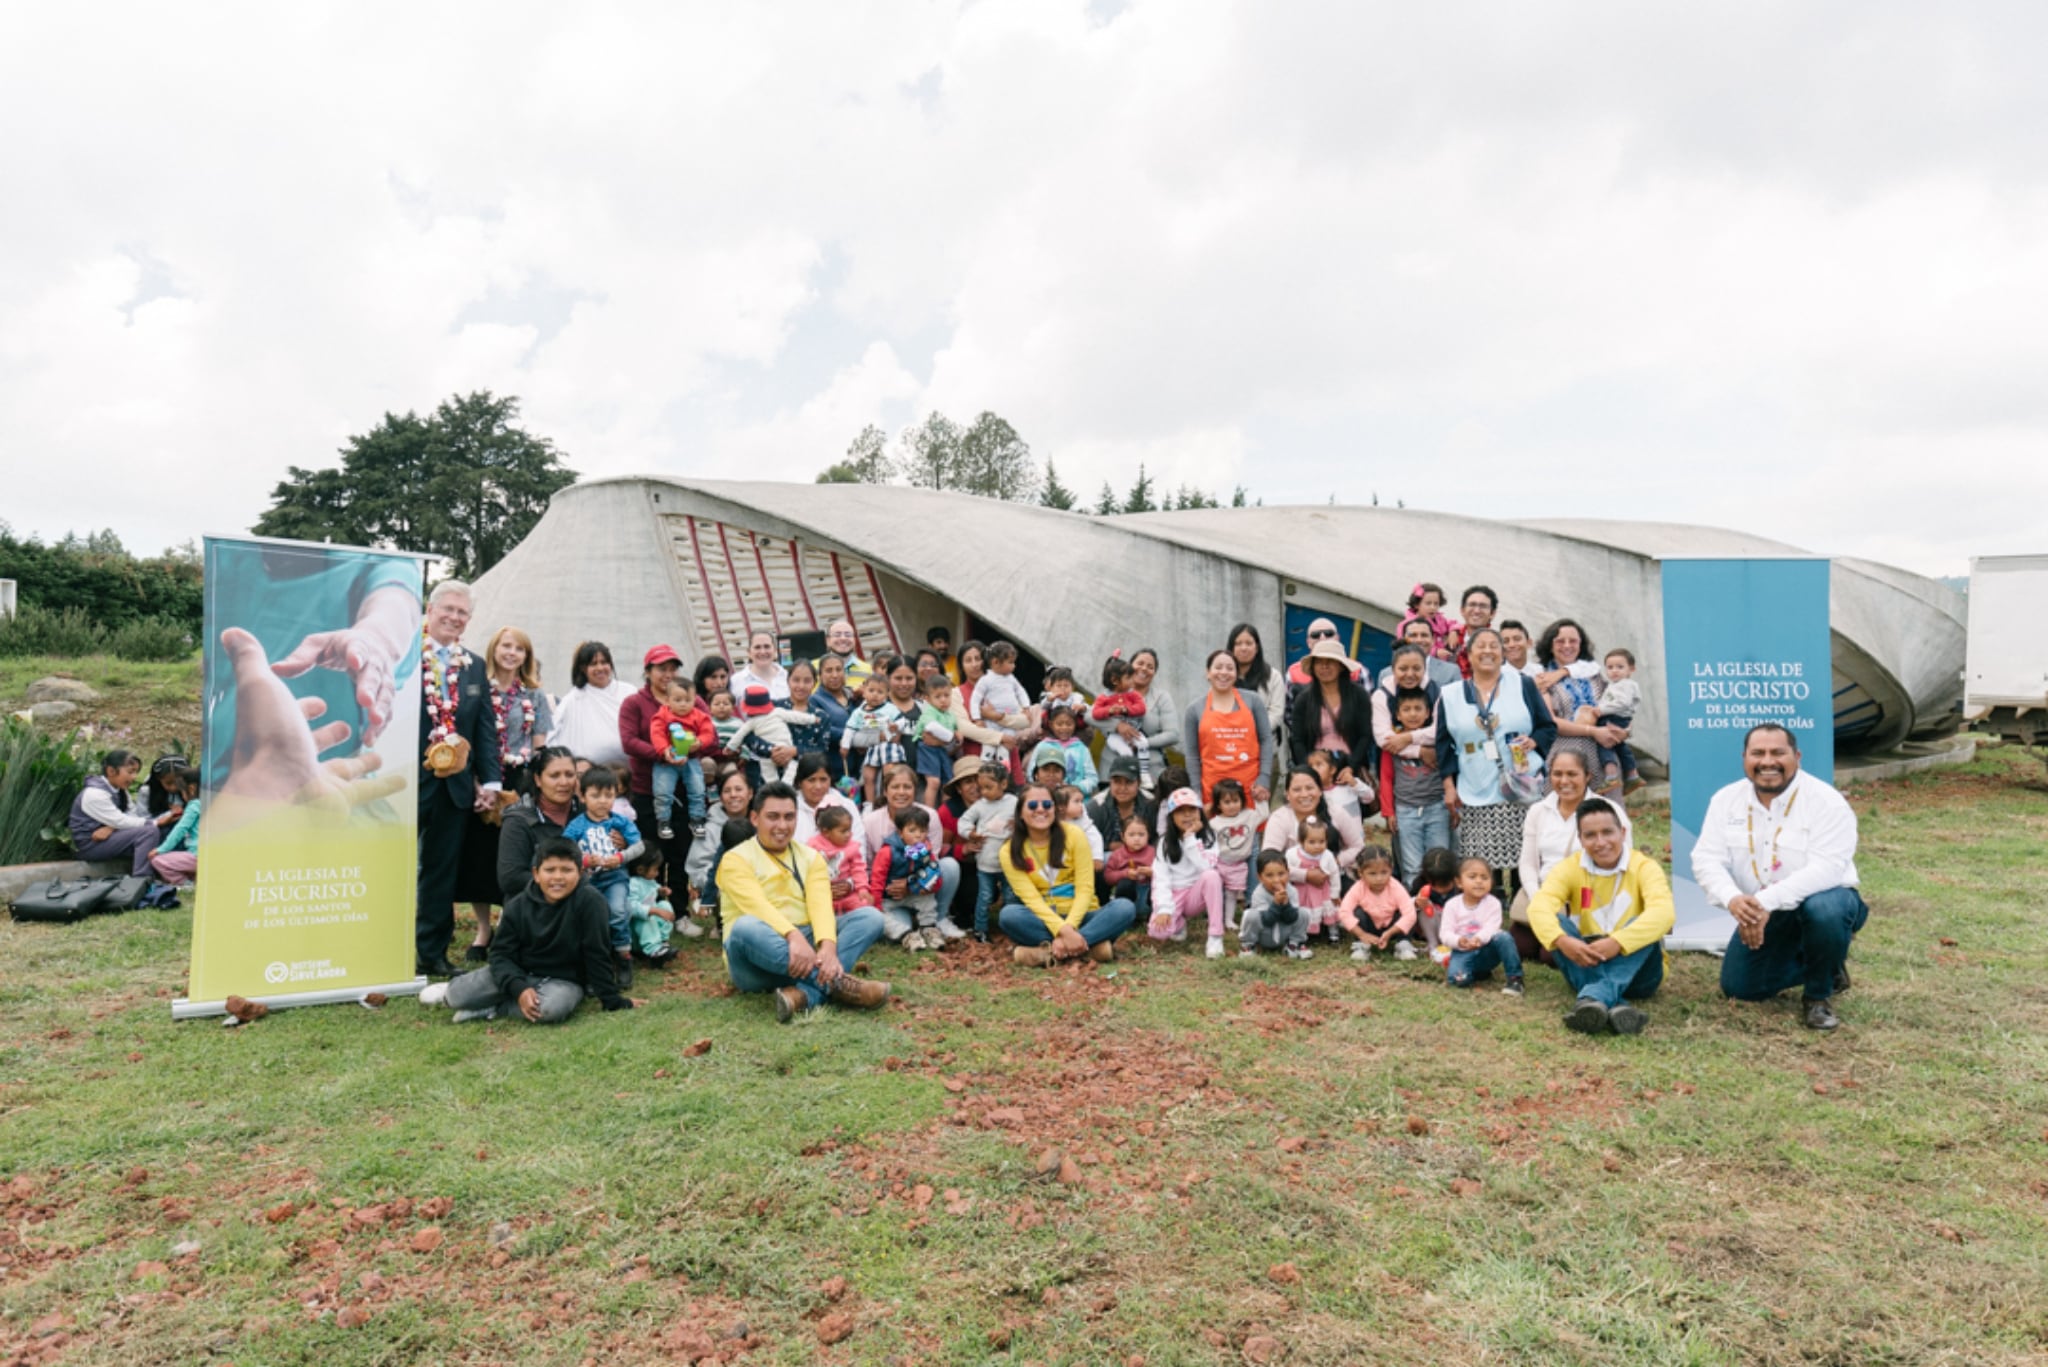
[(757, 959)]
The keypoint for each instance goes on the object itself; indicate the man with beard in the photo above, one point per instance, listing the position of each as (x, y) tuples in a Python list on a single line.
[(1778, 849)]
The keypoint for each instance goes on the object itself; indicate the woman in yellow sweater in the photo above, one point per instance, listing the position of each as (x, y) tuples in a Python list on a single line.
[(1051, 914), (1610, 947)]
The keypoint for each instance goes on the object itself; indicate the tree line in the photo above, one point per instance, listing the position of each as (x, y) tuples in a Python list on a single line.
[(988, 458)]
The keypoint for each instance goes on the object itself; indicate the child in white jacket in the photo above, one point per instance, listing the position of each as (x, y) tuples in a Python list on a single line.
[(1186, 878)]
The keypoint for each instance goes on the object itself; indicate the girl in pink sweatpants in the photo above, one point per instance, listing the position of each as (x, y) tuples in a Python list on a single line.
[(1186, 878)]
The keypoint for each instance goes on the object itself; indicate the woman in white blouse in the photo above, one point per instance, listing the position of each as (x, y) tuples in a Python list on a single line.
[(587, 718), (1550, 835)]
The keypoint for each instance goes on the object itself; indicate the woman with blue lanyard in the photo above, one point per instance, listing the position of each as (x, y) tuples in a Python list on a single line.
[(1487, 727)]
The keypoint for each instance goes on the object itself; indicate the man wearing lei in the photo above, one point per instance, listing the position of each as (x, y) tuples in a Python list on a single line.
[(459, 772), (1778, 849)]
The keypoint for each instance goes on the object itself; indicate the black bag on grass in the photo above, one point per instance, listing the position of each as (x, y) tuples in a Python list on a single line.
[(60, 901)]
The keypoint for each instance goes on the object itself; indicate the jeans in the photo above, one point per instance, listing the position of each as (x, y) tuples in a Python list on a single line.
[(477, 990), (1468, 966), (1631, 976), (666, 776), (901, 915), (1620, 757), (1264, 928), (1806, 945), (1138, 894), (621, 919), (988, 892), (757, 959), (1106, 922), (1417, 830)]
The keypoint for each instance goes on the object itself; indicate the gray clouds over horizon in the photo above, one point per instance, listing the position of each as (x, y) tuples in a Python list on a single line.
[(1763, 266)]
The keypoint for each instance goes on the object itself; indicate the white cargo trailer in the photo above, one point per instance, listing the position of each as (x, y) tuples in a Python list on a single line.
[(2005, 674)]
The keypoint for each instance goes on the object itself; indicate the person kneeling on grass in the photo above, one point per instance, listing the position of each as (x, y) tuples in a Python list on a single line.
[(1611, 950), (781, 934), (552, 947)]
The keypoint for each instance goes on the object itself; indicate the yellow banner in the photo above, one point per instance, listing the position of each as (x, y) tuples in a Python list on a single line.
[(310, 774)]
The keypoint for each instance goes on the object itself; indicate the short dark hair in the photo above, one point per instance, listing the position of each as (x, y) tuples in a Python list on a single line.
[(1402, 695), (831, 818), (119, 759), (1625, 654), (771, 790), (555, 847), (1439, 866), (587, 654), (1511, 624), (1595, 806), (1002, 650), (1492, 598), (938, 634), (913, 815), (1058, 674), (1782, 730), (1268, 858), (597, 777), (1546, 644)]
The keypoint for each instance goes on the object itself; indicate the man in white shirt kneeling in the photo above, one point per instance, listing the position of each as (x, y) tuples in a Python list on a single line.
[(1778, 850)]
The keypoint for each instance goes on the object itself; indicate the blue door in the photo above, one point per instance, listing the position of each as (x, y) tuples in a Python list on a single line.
[(1369, 646)]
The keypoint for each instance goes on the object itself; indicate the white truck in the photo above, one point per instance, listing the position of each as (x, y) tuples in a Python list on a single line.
[(2005, 673)]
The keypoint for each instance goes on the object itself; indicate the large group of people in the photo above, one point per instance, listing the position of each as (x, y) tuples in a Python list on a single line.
[(1466, 806)]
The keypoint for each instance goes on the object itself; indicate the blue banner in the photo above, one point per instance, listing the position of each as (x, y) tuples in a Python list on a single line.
[(1745, 641)]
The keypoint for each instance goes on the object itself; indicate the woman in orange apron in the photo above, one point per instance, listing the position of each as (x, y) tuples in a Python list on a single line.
[(1227, 734)]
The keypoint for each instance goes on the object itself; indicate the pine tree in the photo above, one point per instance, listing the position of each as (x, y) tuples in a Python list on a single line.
[(1105, 502), (1139, 499), (1055, 494)]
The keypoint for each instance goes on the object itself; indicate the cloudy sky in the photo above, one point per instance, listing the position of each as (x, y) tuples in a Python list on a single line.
[(1780, 267)]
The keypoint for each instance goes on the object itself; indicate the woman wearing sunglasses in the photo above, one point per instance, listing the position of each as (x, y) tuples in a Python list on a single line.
[(1051, 916)]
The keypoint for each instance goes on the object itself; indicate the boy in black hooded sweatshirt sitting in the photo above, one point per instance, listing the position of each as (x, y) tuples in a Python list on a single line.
[(553, 945)]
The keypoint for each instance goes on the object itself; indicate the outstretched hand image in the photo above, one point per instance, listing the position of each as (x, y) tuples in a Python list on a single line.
[(368, 651), (277, 745)]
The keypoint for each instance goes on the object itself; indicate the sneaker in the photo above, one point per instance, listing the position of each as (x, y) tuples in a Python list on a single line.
[(948, 931), (697, 830), (688, 928), (1819, 1014), (659, 958), (1513, 988), (1247, 951), (1300, 952), (1405, 951), (1214, 949), (915, 942), (1336, 935), (1588, 1018), (474, 1013), (1635, 783), (1180, 933), (434, 994), (1627, 1020), (1031, 956), (665, 831), (1361, 951), (1230, 923)]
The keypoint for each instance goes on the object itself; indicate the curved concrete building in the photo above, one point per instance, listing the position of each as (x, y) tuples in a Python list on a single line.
[(701, 564)]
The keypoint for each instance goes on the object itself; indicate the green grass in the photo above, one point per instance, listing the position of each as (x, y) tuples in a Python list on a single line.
[(1727, 1188)]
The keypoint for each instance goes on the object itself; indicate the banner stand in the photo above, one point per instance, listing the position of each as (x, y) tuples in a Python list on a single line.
[(185, 1009), (1746, 641)]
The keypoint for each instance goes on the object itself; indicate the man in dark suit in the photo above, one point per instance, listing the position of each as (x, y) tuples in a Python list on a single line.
[(456, 714)]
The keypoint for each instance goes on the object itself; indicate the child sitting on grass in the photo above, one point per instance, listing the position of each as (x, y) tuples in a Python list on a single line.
[(1437, 884), (1187, 870), (1377, 912), (1272, 921), (1313, 871), (843, 858), (1128, 869), (653, 918), (1236, 829), (551, 949), (1471, 927)]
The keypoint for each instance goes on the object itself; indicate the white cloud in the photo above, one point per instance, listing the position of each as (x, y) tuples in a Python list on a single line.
[(1653, 262)]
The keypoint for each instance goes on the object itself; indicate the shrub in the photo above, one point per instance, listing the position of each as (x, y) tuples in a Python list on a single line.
[(39, 631), (151, 638), (39, 775)]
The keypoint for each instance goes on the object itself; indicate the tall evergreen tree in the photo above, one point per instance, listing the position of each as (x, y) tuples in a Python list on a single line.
[(1055, 494)]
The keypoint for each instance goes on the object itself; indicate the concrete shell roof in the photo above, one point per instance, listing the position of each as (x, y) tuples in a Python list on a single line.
[(1073, 583)]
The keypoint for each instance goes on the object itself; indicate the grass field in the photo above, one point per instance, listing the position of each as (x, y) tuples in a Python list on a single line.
[(1272, 1162), (143, 706)]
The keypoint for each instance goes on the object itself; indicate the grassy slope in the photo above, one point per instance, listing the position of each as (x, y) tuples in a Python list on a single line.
[(143, 706), (1728, 1188)]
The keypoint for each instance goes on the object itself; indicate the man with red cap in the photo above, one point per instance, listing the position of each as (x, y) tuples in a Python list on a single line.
[(636, 722)]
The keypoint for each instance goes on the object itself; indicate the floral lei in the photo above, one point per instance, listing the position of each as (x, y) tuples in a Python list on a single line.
[(501, 701), (440, 688)]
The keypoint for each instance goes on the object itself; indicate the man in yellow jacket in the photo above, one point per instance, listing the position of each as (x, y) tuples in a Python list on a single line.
[(1611, 948), (781, 935)]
